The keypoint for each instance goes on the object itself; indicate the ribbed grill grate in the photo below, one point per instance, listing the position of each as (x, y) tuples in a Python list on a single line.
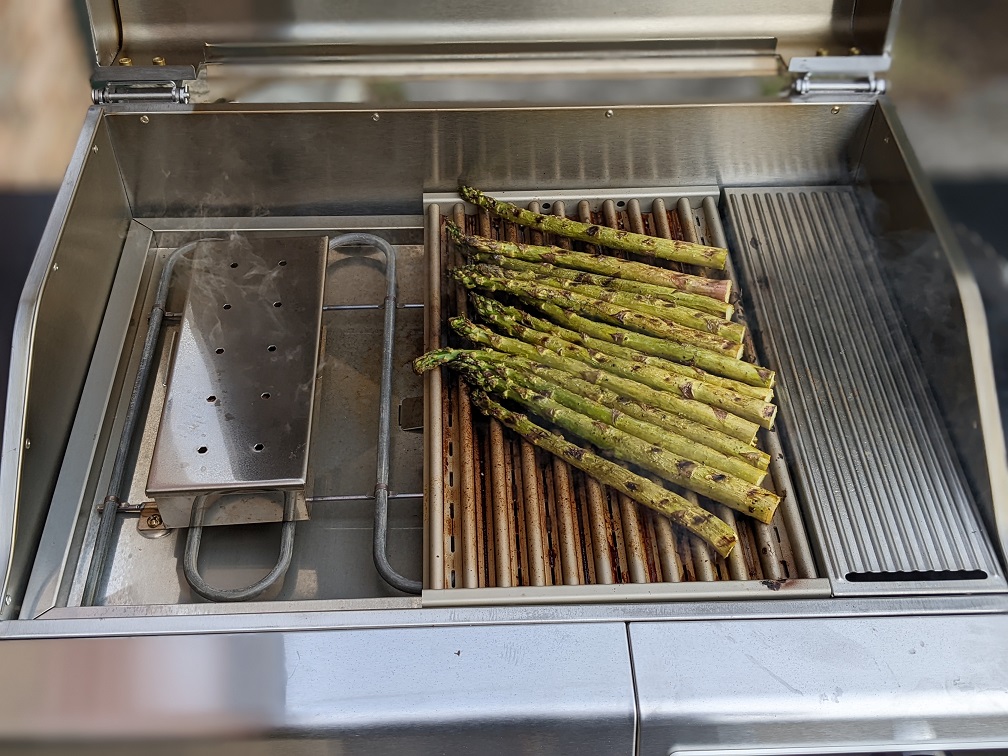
[(871, 454), (515, 516)]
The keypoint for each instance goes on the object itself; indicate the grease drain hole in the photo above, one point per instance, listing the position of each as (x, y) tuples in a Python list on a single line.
[(271, 348), (201, 450), (258, 447)]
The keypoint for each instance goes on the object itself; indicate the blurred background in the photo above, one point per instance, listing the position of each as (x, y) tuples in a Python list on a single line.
[(950, 82)]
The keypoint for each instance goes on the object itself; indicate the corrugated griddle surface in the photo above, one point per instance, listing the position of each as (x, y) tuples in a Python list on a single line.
[(871, 455)]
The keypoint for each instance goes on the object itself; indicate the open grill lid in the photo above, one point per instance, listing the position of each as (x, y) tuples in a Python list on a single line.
[(399, 40)]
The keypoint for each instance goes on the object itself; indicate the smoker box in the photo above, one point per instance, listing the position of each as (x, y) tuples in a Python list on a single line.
[(870, 617)]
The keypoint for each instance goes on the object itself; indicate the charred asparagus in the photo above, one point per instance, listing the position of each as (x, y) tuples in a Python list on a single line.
[(662, 249)]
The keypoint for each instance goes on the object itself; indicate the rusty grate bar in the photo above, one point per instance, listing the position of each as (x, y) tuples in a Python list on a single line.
[(513, 515)]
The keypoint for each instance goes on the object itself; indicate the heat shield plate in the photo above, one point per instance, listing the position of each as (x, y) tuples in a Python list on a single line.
[(238, 408)]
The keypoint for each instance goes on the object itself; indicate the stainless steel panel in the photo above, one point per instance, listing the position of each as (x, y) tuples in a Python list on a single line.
[(103, 17), (58, 536), (917, 237), (811, 685), (238, 407), (450, 689), (628, 593), (108, 621), (179, 30), (222, 160), (54, 333), (873, 459)]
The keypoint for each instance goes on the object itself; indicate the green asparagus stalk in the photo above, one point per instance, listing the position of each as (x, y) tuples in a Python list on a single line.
[(605, 265), (695, 432), (704, 359), (473, 278), (654, 434), (698, 434), (716, 485), (681, 512), (603, 345), (662, 249), (712, 417), (541, 333), (544, 334), (699, 302), (644, 303)]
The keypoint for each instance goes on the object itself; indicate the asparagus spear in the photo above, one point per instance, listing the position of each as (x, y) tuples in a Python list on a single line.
[(680, 511), (714, 484), (697, 301), (704, 359), (744, 406), (487, 308), (644, 303), (653, 434), (604, 265), (690, 382), (662, 249), (691, 409), (473, 278), (698, 434)]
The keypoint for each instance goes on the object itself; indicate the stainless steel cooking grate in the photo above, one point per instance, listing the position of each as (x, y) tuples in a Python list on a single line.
[(872, 458), (502, 514)]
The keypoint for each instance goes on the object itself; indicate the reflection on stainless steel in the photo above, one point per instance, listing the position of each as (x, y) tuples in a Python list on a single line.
[(756, 699), (475, 31), (408, 152)]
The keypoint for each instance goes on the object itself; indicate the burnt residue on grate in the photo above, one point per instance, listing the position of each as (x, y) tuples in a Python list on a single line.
[(514, 515)]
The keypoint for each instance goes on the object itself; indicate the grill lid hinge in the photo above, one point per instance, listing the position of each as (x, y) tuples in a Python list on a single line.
[(140, 84), (812, 85)]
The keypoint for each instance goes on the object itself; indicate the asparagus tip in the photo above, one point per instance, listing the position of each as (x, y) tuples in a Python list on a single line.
[(469, 194), (456, 233), (434, 359)]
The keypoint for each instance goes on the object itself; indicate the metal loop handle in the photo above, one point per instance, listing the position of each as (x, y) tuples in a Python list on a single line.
[(380, 546), (192, 548)]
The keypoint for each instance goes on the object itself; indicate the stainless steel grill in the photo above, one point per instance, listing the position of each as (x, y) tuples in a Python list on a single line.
[(504, 514)]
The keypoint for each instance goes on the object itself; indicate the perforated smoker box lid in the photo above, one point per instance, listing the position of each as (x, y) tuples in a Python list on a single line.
[(401, 39)]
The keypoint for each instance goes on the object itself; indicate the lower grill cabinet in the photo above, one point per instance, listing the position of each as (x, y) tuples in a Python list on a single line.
[(504, 514)]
